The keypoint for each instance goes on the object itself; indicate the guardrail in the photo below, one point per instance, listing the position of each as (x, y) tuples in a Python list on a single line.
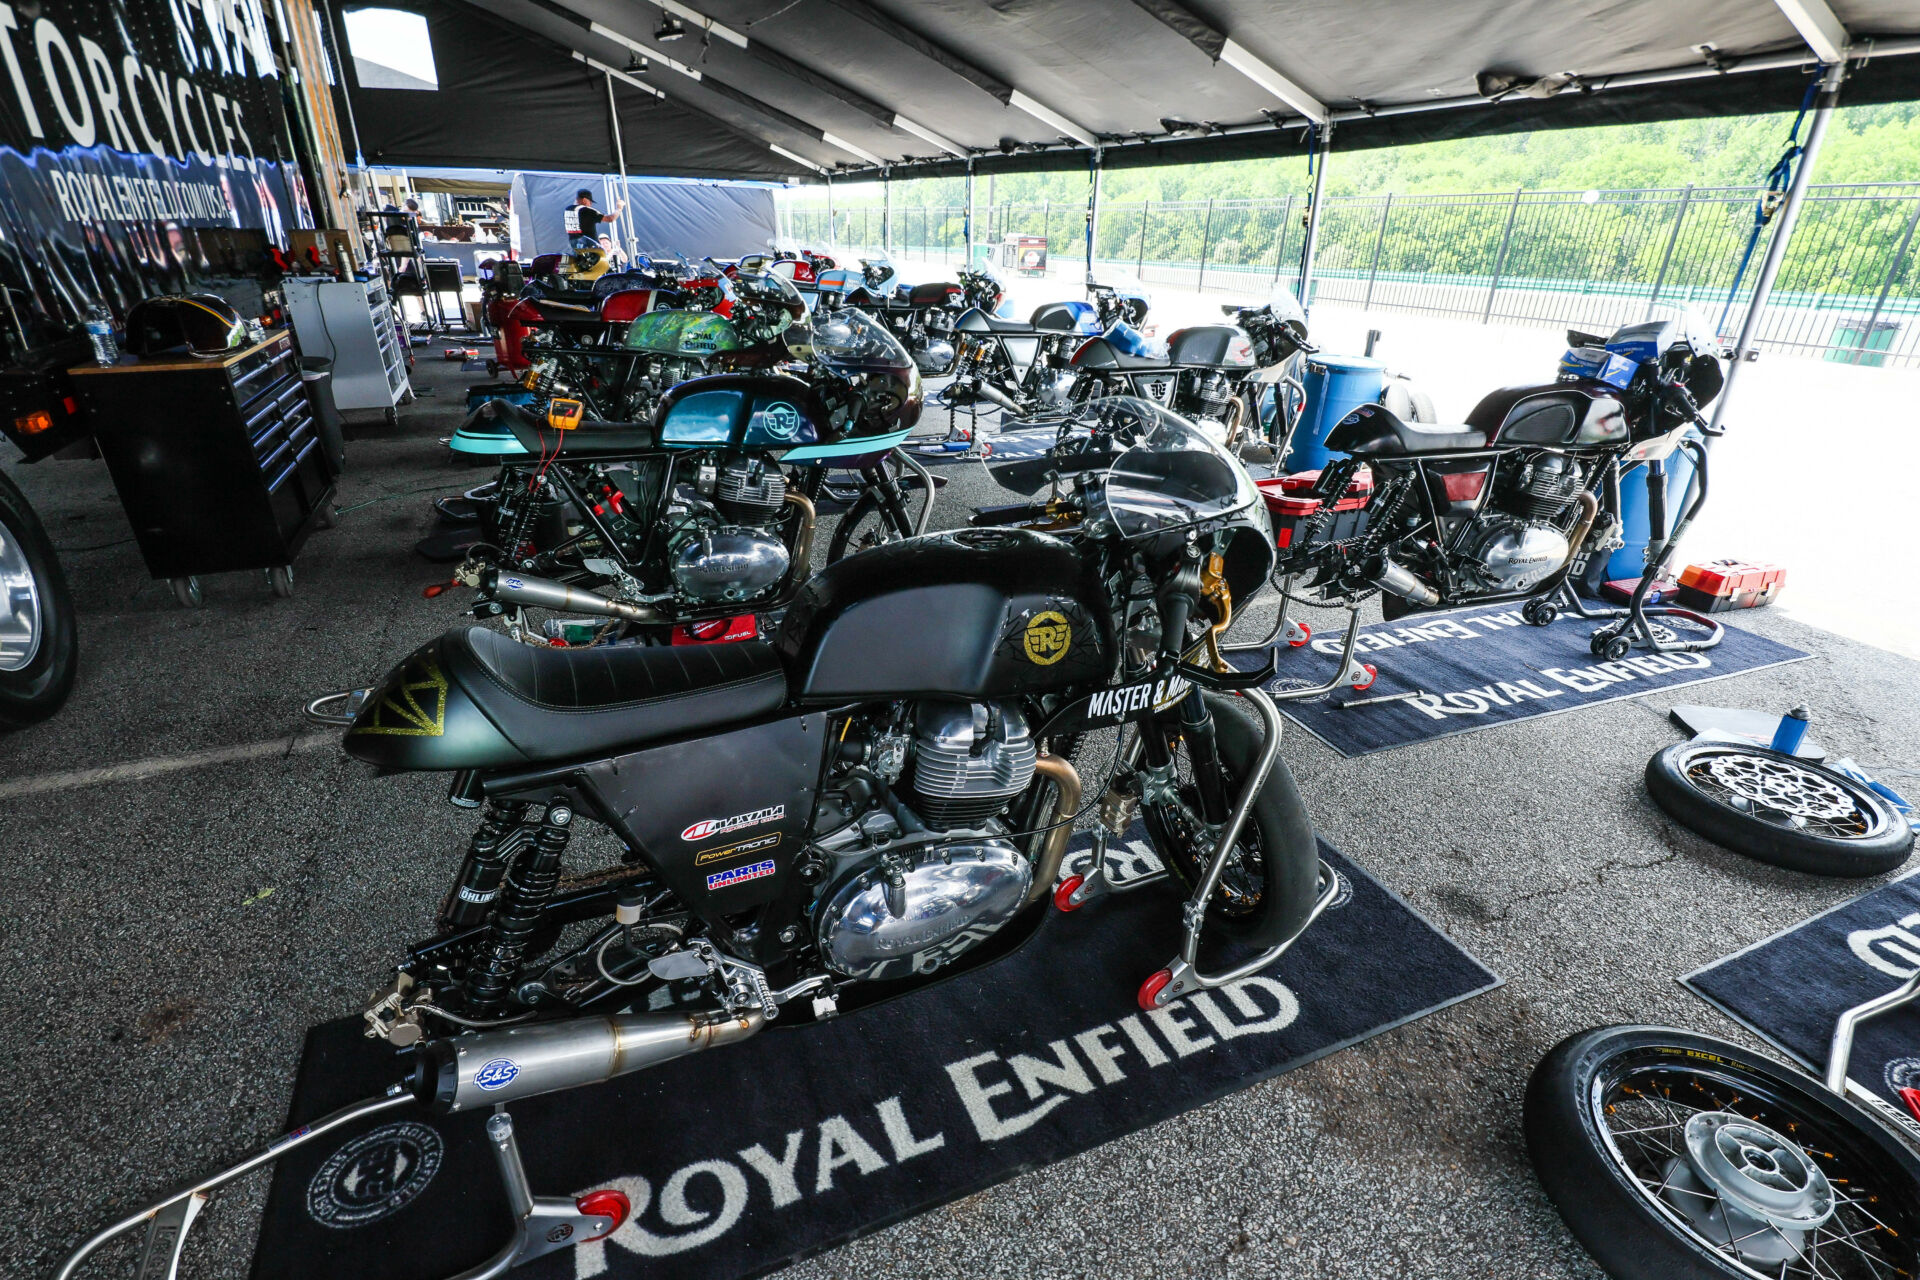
[(1848, 290)]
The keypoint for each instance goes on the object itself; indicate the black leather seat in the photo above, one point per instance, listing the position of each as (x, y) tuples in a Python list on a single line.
[(591, 439), (1375, 431), (561, 704), (996, 325)]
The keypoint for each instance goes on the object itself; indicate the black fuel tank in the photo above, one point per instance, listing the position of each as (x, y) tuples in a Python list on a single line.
[(1217, 346), (975, 614), (1549, 414)]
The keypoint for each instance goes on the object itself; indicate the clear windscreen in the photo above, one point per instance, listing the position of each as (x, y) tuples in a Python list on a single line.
[(1167, 474), (851, 339), (1118, 280), (1284, 307)]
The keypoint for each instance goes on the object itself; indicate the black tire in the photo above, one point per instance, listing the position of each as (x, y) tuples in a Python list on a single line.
[(37, 686), (1288, 870), (867, 523), (1609, 1075), (1678, 783)]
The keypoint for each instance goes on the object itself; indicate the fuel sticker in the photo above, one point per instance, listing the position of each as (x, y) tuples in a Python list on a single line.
[(757, 845), (1048, 637)]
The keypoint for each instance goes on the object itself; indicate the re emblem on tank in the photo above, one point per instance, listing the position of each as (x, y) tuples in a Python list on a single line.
[(1048, 637), (414, 705)]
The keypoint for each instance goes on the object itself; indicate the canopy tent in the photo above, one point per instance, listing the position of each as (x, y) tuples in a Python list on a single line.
[(769, 89), (691, 219)]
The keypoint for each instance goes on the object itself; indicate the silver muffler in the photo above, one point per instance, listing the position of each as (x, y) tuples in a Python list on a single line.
[(1402, 583), (486, 1068), (990, 392), (544, 593)]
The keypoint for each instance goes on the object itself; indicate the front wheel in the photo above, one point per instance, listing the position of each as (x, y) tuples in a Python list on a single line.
[(869, 522), (1675, 1156), (1273, 873), (39, 636)]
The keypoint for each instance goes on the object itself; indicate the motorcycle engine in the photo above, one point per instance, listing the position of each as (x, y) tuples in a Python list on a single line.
[(725, 550), (1207, 395), (1518, 543), (900, 900)]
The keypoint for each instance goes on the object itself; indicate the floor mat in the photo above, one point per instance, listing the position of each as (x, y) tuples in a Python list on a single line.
[(1473, 669), (743, 1160), (1792, 987)]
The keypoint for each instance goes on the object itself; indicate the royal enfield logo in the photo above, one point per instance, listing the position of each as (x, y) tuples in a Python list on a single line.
[(756, 845), (739, 875), (709, 827), (779, 420), (374, 1176), (1048, 637)]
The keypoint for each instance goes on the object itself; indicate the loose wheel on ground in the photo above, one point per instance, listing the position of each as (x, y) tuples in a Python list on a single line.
[(1675, 1156), (39, 636), (1779, 809)]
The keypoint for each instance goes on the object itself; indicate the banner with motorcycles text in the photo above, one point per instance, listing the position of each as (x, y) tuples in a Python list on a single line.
[(143, 146)]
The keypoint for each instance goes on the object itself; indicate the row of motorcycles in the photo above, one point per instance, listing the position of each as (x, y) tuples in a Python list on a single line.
[(831, 787)]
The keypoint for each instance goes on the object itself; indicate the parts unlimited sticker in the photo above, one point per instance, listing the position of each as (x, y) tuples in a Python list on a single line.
[(709, 827), (757, 845), (739, 875)]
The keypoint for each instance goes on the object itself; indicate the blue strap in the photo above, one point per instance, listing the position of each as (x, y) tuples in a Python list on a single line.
[(1779, 180)]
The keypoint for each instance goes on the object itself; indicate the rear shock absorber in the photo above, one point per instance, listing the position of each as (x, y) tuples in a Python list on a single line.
[(488, 853), (523, 896)]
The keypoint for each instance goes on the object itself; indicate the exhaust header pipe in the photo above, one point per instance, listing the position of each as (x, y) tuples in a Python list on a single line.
[(544, 593), (483, 1069), (998, 396), (1400, 582)]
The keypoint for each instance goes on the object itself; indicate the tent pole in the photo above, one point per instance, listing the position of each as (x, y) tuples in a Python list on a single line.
[(624, 223), (1743, 349), (886, 213), (340, 74), (1093, 209), (1311, 241), (833, 234), (967, 221)]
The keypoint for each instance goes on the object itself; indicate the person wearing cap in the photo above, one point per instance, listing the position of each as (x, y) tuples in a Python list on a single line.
[(582, 220)]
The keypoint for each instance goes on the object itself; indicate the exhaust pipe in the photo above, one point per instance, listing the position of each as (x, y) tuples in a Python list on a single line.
[(1046, 867), (1403, 584), (544, 593), (486, 1068), (999, 397)]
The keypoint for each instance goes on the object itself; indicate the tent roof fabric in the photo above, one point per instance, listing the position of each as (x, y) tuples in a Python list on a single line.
[(762, 88)]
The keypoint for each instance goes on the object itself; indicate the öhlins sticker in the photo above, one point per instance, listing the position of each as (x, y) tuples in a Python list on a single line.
[(706, 828), (757, 845), (1048, 637)]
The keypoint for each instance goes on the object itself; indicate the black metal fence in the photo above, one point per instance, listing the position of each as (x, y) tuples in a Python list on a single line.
[(1847, 291)]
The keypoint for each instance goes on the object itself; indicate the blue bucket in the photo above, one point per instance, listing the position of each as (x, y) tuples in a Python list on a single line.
[(1629, 561), (1336, 386)]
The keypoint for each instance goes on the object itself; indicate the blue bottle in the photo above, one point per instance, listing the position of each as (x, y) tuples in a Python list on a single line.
[(1791, 733)]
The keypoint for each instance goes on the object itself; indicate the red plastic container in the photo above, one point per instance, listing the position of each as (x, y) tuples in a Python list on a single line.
[(1289, 500)]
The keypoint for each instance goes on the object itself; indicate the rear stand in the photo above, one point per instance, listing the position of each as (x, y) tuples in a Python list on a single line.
[(542, 1224), (1629, 628)]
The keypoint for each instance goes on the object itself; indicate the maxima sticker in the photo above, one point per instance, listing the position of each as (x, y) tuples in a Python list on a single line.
[(709, 827), (739, 875)]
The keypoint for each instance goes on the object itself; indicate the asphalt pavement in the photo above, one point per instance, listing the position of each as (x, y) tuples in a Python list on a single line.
[(172, 934)]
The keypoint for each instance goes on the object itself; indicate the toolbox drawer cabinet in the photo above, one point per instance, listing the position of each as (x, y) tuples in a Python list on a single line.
[(218, 463)]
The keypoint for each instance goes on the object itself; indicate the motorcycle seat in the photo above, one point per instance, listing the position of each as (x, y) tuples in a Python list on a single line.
[(1375, 431), (997, 325), (555, 704), (593, 438)]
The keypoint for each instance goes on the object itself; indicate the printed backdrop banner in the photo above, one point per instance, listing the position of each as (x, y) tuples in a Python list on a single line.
[(143, 145)]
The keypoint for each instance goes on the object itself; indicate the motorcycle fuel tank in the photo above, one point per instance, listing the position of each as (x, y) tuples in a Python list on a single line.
[(977, 614), (1217, 346), (682, 333), (753, 411), (1549, 414), (1082, 318)]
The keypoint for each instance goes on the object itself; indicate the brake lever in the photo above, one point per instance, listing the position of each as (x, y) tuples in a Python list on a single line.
[(1229, 682)]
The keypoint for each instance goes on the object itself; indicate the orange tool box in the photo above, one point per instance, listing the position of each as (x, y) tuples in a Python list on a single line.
[(1721, 585)]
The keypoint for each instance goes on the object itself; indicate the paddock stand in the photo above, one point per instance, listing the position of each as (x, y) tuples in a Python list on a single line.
[(542, 1224), (1629, 628)]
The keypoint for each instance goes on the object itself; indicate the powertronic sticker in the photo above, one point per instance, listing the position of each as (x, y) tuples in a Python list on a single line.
[(758, 845), (739, 875)]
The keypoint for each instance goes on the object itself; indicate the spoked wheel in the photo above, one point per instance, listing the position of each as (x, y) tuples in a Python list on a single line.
[(1273, 873), (870, 522), (1778, 808), (1674, 1156)]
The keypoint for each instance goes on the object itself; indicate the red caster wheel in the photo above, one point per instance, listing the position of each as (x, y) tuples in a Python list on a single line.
[(604, 1204), (1373, 673), (1149, 997), (1306, 634), (1063, 893)]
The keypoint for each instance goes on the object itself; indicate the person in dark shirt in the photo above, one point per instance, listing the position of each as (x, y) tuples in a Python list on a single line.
[(583, 221)]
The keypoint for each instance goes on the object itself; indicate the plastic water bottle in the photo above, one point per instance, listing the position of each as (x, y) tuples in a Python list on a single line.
[(100, 329), (1791, 733)]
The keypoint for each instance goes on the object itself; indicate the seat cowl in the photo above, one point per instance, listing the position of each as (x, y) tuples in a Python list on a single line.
[(1375, 431)]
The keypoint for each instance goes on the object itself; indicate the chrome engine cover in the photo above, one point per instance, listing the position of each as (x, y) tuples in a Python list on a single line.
[(935, 356), (728, 564), (1515, 557), (955, 896)]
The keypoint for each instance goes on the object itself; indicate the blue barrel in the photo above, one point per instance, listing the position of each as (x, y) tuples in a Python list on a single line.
[(1630, 560), (1336, 386)]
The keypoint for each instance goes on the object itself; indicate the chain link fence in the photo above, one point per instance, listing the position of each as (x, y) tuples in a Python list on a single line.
[(1847, 291)]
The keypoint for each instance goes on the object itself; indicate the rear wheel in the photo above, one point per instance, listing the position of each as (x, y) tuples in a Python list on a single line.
[(1675, 1156), (39, 636), (1273, 874)]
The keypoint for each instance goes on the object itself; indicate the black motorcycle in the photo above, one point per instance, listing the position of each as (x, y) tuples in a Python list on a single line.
[(1501, 507)]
